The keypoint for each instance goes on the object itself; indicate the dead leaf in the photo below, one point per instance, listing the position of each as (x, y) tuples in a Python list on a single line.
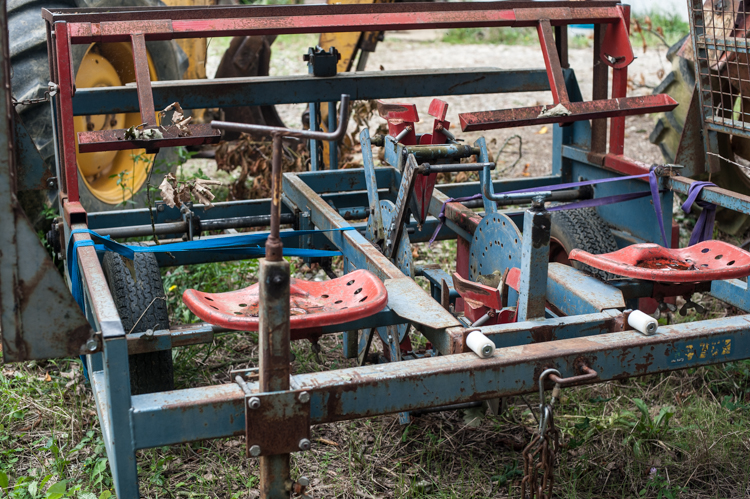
[(178, 118), (167, 190), (328, 442), (47, 377), (525, 172), (543, 130)]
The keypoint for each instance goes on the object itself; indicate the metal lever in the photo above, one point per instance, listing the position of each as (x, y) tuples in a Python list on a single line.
[(274, 247)]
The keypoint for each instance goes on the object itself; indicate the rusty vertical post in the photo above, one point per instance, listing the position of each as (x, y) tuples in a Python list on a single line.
[(274, 247), (275, 368), (601, 80)]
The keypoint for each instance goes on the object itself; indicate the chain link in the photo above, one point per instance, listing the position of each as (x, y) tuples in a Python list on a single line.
[(539, 461), (539, 456), (51, 91)]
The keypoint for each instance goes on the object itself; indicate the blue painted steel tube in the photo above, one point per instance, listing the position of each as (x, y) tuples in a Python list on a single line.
[(272, 90), (733, 292), (213, 412), (534, 263), (716, 195)]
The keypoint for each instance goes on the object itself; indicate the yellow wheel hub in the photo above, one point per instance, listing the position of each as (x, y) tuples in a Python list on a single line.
[(112, 176)]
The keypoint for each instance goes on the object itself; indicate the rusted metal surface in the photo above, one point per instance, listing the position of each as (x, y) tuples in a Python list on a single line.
[(222, 12), (65, 126), (279, 423), (38, 317), (552, 62), (115, 140), (526, 116), (188, 23), (389, 388), (143, 79), (275, 369)]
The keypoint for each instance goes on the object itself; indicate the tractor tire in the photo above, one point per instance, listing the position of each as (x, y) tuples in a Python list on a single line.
[(30, 76), (580, 229), (680, 84), (138, 292)]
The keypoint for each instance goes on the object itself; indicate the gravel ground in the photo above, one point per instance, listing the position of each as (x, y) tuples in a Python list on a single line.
[(423, 49)]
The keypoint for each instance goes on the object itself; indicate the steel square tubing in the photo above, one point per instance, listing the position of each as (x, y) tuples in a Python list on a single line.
[(716, 195), (221, 12), (363, 255), (212, 412), (272, 90), (331, 19)]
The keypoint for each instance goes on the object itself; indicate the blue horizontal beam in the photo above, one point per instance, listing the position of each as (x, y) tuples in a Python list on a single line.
[(272, 90), (218, 411)]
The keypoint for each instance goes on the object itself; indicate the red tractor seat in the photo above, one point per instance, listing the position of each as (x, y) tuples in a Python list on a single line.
[(706, 261), (312, 304)]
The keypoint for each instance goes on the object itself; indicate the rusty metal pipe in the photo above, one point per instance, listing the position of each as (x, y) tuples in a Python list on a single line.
[(274, 246), (336, 135)]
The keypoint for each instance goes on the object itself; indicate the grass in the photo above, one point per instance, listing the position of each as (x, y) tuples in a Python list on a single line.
[(665, 26), (684, 434)]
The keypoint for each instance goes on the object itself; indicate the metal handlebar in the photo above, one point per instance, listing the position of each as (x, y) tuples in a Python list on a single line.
[(336, 135), (274, 247)]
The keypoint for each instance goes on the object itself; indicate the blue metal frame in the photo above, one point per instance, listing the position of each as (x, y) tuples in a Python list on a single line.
[(593, 330)]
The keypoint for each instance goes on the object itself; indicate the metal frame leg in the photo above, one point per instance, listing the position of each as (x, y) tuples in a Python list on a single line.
[(534, 263)]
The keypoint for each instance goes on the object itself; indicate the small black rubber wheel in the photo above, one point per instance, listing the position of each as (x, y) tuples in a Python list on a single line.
[(138, 292), (580, 229)]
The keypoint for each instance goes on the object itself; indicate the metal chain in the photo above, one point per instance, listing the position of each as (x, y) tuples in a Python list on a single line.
[(539, 456), (51, 90), (539, 461)]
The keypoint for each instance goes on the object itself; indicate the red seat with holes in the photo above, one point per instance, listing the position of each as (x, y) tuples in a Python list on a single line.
[(706, 261), (312, 304)]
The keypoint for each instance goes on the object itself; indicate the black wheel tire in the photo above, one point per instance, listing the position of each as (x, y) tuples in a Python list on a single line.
[(679, 84), (580, 229), (138, 293), (30, 76)]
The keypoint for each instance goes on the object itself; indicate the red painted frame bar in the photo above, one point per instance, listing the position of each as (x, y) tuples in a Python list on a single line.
[(619, 89), (113, 31), (507, 118), (143, 80), (67, 127), (552, 63)]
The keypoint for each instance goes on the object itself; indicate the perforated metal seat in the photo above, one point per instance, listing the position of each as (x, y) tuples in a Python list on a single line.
[(706, 261), (312, 304)]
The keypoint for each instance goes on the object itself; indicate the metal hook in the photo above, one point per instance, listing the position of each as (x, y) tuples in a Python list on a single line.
[(543, 409)]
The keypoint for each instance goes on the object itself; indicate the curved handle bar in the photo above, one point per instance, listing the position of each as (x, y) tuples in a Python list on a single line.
[(336, 135)]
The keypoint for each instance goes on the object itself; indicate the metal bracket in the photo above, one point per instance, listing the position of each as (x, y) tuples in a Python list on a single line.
[(277, 422), (396, 228)]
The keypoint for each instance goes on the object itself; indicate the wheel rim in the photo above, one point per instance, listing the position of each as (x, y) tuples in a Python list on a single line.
[(113, 177)]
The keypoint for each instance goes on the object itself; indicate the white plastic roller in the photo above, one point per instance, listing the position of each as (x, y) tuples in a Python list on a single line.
[(480, 344), (642, 322)]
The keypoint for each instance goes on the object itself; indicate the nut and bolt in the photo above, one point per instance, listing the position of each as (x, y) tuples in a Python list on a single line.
[(92, 345), (304, 397), (255, 450), (253, 403), (304, 444)]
